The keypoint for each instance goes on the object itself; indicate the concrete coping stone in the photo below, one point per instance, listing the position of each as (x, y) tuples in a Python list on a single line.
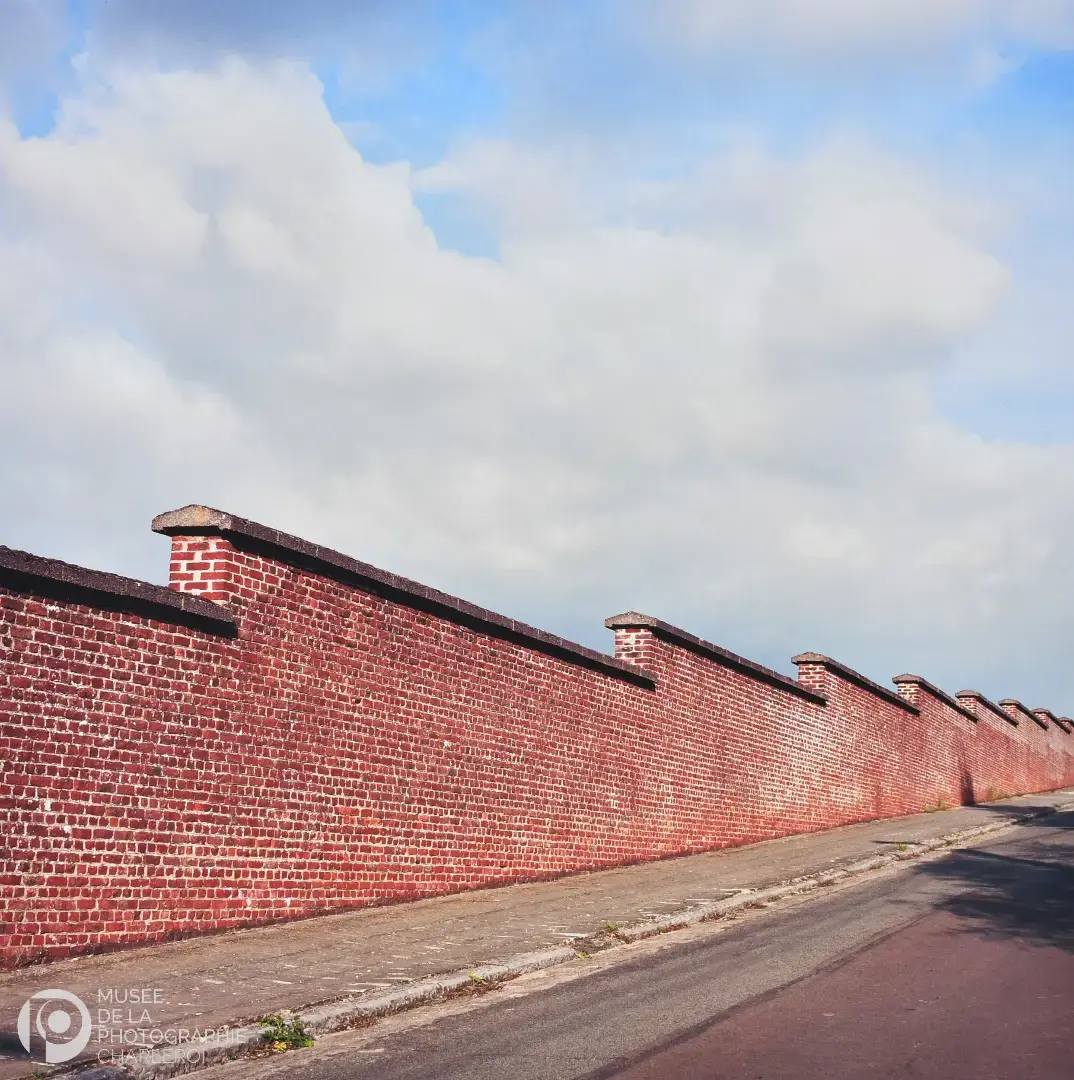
[(936, 692), (1014, 703), (23, 572), (630, 620), (197, 520), (855, 677), (991, 706)]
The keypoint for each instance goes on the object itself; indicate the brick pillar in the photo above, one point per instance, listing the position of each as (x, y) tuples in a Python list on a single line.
[(909, 688), (812, 672), (203, 565), (970, 700), (1013, 709), (203, 560), (634, 640)]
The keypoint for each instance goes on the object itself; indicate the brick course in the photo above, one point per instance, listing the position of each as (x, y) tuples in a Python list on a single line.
[(287, 731)]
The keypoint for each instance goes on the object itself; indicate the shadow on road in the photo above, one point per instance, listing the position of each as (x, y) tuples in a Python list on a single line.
[(1015, 895)]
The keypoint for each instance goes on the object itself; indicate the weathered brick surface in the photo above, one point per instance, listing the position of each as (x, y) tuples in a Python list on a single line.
[(323, 735)]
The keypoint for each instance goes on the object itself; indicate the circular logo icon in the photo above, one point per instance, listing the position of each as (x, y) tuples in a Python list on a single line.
[(53, 1021)]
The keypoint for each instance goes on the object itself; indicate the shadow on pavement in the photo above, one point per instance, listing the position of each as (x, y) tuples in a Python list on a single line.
[(1061, 820), (1014, 895)]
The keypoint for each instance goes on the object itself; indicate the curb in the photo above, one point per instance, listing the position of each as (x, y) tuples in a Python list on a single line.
[(355, 1012)]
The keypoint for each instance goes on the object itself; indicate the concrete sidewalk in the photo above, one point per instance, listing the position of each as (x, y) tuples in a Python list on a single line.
[(222, 980)]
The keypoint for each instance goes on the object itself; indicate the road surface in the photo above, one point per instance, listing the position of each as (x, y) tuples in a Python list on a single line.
[(962, 967)]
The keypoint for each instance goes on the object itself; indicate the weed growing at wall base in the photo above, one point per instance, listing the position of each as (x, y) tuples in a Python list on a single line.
[(286, 1032)]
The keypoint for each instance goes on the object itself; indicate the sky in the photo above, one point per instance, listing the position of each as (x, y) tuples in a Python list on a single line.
[(751, 316)]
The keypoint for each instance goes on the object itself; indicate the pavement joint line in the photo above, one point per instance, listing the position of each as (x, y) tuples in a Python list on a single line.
[(353, 1012)]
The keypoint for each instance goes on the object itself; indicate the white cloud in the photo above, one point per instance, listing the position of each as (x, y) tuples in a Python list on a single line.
[(708, 398), (370, 43), (838, 26), (31, 31), (987, 65)]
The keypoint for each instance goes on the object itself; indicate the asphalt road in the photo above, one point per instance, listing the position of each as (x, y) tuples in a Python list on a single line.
[(959, 967)]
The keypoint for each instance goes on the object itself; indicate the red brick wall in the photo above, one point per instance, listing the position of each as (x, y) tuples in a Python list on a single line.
[(350, 741)]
